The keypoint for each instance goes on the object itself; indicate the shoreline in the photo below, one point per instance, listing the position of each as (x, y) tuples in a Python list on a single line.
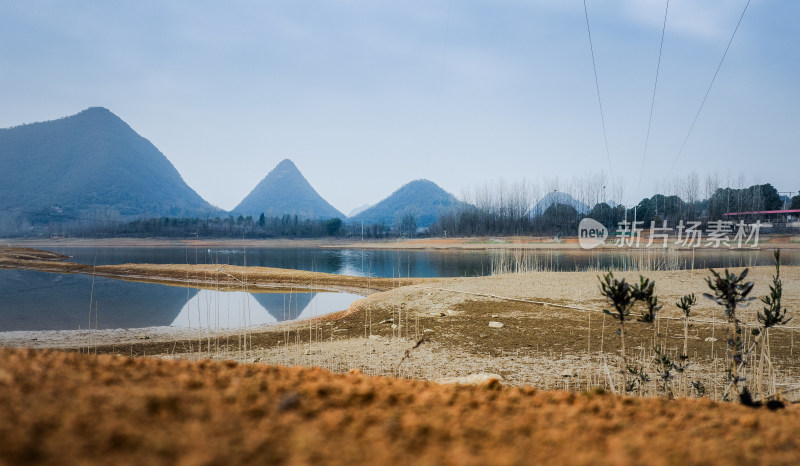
[(545, 329), (442, 244), (205, 276)]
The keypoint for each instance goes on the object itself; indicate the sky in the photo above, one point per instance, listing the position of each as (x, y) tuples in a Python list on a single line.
[(365, 96)]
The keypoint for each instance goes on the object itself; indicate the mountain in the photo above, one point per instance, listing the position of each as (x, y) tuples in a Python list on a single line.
[(358, 210), (421, 198), (87, 164), (557, 197), (286, 191)]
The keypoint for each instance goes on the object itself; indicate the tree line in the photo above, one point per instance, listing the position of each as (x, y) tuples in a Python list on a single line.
[(500, 209), (493, 209)]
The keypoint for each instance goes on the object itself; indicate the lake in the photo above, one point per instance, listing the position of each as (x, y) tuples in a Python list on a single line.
[(425, 263), (49, 301), (43, 301)]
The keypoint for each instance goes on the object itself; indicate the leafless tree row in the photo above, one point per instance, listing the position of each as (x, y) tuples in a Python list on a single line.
[(526, 207)]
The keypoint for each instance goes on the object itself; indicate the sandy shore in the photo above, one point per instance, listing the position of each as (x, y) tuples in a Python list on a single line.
[(552, 331)]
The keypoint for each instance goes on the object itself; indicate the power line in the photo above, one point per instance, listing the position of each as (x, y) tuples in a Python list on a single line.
[(653, 100), (599, 101), (686, 139)]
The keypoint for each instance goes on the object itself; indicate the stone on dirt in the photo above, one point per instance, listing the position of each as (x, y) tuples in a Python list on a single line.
[(471, 379)]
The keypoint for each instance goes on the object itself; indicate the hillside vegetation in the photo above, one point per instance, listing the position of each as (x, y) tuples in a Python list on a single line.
[(89, 164)]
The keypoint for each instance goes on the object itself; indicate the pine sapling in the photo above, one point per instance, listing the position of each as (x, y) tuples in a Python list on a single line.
[(685, 305), (620, 295), (729, 291), (699, 388), (773, 315), (664, 366), (640, 377), (645, 291)]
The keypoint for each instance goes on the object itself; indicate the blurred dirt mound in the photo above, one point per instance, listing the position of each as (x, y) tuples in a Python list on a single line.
[(68, 408)]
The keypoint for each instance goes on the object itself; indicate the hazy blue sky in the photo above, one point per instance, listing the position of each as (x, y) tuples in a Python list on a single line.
[(364, 95)]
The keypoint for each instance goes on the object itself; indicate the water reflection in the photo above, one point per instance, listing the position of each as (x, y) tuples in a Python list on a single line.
[(46, 301), (356, 262), (219, 310), (426, 263)]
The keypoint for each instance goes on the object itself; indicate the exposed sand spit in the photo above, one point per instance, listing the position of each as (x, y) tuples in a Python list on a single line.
[(202, 275)]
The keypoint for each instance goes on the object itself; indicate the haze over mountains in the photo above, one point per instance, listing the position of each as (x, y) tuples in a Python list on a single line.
[(358, 210), (90, 163), (93, 163)]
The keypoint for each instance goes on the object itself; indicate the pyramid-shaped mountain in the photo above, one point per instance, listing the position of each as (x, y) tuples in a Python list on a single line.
[(285, 191), (86, 164), (423, 199), (557, 197)]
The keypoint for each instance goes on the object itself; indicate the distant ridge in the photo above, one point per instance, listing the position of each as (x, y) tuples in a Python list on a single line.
[(87, 164), (285, 191), (358, 210), (423, 199), (557, 197)]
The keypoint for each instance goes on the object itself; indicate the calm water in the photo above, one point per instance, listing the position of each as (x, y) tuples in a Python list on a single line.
[(423, 263), (43, 301), (48, 301), (375, 263)]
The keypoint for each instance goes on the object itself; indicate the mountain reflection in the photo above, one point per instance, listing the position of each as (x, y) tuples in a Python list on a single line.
[(236, 309), (46, 301)]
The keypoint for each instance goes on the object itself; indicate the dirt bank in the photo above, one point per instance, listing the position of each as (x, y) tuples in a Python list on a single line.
[(69, 408)]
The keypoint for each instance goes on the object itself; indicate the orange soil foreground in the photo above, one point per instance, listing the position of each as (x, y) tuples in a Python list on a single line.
[(64, 408)]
